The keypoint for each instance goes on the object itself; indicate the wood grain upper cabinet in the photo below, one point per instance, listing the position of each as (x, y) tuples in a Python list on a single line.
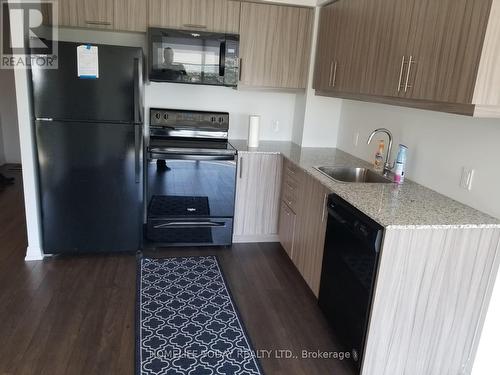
[(67, 12), (258, 187), (326, 46), (208, 15), (353, 40), (275, 44), (438, 55), (446, 39), (96, 13), (130, 15), (344, 41), (386, 60)]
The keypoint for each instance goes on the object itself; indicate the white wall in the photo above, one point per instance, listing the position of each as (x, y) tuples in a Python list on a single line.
[(10, 148), (276, 109), (439, 144)]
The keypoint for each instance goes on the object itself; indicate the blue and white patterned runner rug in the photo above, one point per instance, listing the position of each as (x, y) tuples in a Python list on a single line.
[(187, 322)]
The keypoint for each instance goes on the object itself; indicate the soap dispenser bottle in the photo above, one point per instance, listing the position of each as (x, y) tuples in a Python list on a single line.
[(378, 163), (399, 171)]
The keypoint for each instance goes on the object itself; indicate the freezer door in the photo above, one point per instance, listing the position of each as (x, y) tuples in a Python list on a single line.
[(90, 186), (113, 97)]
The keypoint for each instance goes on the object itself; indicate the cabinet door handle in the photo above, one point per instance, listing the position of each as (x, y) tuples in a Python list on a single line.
[(241, 167), (401, 73), (100, 23), (195, 26), (410, 61), (334, 74), (331, 74), (324, 206)]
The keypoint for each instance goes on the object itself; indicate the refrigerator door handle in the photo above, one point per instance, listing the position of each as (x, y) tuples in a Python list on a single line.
[(137, 92), (137, 140)]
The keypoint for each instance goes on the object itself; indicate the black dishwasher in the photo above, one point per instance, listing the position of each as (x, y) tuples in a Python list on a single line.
[(350, 263)]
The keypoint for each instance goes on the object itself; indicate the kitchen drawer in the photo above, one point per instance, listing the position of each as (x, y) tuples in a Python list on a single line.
[(290, 194), (292, 177), (291, 172)]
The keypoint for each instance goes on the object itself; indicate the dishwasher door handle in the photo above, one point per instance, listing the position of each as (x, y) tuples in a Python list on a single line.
[(334, 214)]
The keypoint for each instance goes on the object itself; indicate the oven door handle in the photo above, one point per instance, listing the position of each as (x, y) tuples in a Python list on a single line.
[(201, 157), (190, 224)]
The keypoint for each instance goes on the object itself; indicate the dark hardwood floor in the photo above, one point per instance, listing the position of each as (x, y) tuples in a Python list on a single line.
[(76, 315)]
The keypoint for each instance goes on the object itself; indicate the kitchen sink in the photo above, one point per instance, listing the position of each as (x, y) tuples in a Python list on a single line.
[(358, 175)]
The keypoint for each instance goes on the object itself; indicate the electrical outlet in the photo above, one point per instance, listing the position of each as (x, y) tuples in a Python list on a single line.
[(355, 139), (466, 178), (276, 126)]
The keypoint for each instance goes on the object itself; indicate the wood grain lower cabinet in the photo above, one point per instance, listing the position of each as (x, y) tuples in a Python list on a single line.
[(432, 292), (310, 231), (205, 15), (302, 230), (257, 204), (286, 229), (275, 45)]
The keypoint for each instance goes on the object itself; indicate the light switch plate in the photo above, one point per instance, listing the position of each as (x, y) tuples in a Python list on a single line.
[(355, 139), (466, 178)]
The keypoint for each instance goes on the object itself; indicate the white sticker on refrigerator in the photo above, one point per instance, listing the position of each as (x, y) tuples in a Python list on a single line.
[(87, 58)]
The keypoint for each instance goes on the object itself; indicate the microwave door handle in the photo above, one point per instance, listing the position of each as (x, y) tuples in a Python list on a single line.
[(222, 59)]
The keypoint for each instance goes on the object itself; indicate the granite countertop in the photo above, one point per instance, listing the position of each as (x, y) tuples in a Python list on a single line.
[(390, 205)]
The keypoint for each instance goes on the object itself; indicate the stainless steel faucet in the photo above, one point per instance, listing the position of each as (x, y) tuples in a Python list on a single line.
[(387, 165)]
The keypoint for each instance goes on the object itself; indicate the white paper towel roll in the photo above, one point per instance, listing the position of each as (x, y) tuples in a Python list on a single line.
[(253, 131)]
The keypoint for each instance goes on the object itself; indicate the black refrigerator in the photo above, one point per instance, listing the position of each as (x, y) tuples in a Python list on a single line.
[(89, 139)]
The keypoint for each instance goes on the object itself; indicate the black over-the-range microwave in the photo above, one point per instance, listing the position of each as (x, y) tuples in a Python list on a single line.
[(193, 57)]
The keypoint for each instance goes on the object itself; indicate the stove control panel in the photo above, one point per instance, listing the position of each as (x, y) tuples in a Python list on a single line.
[(182, 119)]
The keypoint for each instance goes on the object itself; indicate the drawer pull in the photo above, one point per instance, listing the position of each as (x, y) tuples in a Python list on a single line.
[(100, 23), (195, 26)]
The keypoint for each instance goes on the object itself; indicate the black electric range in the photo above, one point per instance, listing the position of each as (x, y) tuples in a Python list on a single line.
[(190, 179)]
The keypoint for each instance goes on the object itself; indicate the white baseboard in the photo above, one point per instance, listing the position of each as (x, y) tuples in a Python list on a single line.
[(256, 238), (33, 254)]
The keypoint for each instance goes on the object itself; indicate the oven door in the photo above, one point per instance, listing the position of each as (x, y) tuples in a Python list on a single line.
[(193, 57), (190, 198)]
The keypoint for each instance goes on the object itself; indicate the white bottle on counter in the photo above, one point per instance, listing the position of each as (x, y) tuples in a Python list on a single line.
[(399, 169)]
